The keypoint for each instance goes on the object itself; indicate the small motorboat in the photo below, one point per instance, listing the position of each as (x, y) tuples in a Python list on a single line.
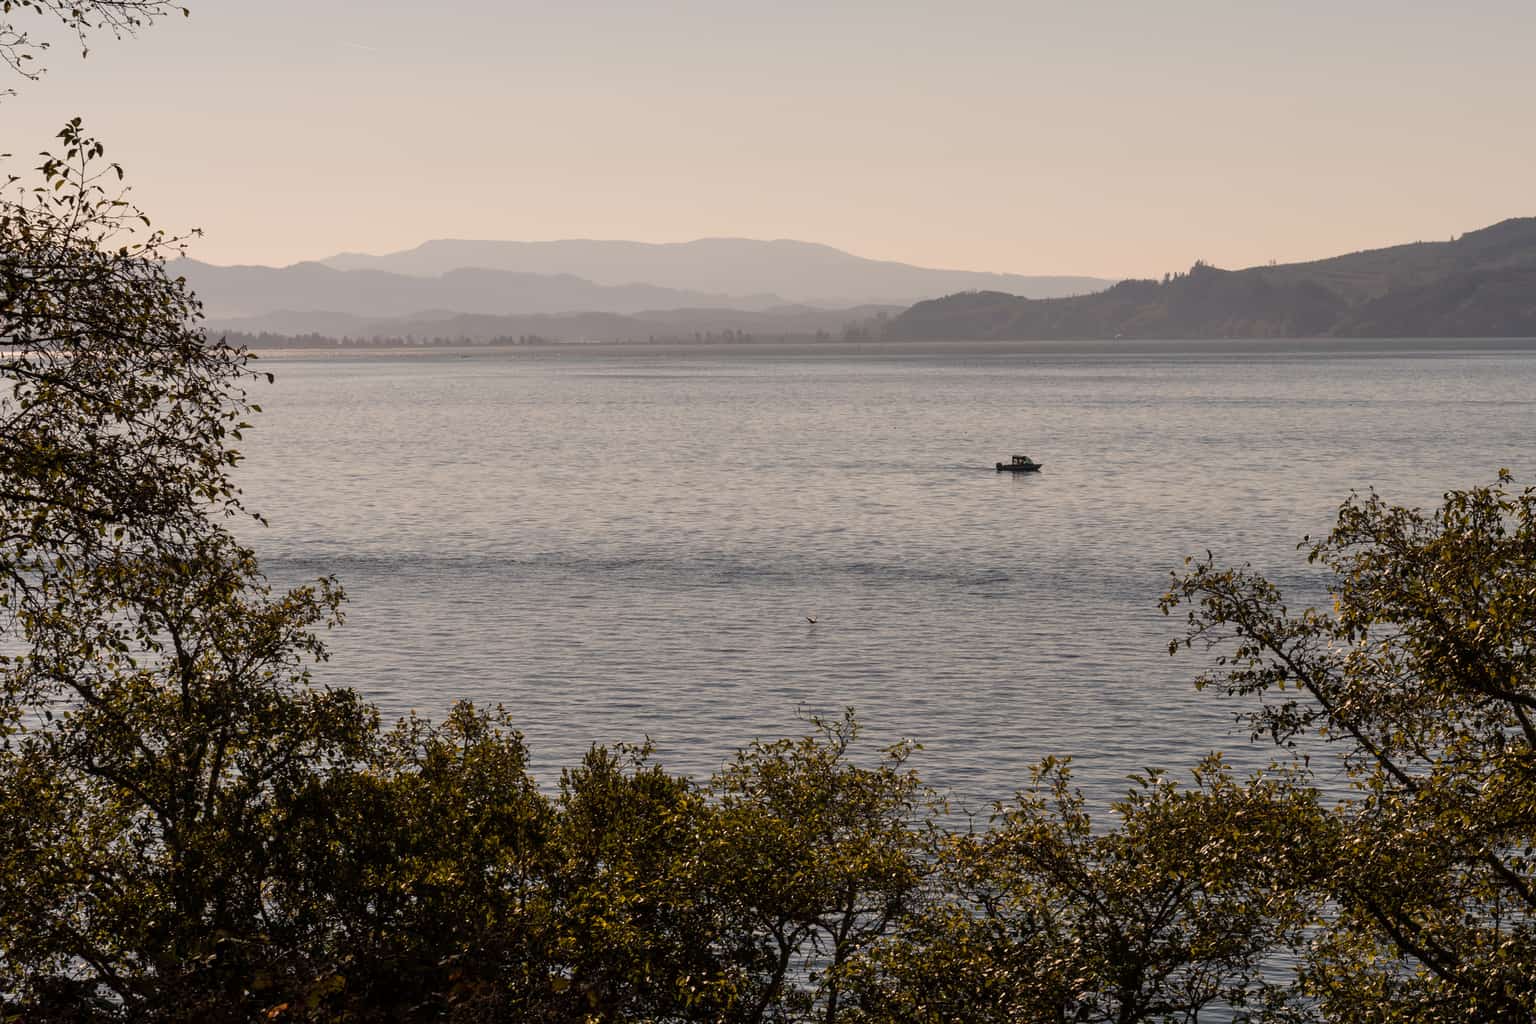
[(1020, 464)]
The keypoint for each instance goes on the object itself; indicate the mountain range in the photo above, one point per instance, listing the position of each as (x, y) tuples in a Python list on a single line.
[(1482, 284), (798, 272), (444, 278)]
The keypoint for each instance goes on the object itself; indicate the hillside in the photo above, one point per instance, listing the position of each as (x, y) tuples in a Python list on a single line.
[(1482, 284), (798, 271)]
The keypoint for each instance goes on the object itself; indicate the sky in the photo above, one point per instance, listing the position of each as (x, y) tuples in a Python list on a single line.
[(1093, 137)]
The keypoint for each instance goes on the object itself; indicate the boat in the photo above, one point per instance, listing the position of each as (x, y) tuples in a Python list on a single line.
[(1020, 464)]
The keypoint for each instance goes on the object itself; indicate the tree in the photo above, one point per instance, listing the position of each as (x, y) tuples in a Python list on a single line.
[(118, 413), (812, 859), (80, 18), (1179, 910), (421, 877), (172, 751), (157, 727), (640, 934), (1424, 677)]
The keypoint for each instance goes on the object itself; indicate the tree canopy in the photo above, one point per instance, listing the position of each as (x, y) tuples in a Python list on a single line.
[(119, 413), (199, 830), (1423, 678)]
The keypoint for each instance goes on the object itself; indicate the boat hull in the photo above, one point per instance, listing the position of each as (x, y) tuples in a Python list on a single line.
[(1005, 467)]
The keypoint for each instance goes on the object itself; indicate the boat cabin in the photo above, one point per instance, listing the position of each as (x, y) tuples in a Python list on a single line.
[(1020, 464)]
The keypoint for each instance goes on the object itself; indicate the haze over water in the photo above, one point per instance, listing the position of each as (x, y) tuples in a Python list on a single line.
[(626, 542)]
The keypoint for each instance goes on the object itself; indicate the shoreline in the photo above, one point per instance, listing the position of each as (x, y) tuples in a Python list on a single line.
[(1115, 347)]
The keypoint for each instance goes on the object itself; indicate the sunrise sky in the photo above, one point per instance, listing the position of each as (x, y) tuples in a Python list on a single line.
[(1105, 138)]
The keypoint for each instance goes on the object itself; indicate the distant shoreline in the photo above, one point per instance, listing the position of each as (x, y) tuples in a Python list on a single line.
[(1115, 347)]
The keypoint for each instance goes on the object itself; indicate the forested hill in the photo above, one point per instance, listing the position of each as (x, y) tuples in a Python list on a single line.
[(1482, 284)]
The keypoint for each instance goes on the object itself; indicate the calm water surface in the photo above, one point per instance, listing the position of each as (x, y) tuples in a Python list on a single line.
[(621, 543)]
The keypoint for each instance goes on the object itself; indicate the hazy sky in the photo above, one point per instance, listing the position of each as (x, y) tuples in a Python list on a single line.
[(1109, 138)]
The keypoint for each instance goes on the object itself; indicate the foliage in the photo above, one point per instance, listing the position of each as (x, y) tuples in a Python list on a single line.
[(1425, 677), (81, 18), (638, 940), (419, 879), (812, 859), (155, 717), (117, 413), (146, 812), (153, 704), (1178, 910), (197, 830)]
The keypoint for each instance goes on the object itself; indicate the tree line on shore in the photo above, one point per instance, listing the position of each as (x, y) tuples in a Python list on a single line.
[(859, 331)]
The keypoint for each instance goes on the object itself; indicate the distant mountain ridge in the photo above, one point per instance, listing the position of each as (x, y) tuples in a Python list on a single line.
[(245, 291), (802, 272), (1482, 284)]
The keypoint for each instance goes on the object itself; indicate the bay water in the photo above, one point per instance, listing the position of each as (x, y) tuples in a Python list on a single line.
[(622, 542)]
